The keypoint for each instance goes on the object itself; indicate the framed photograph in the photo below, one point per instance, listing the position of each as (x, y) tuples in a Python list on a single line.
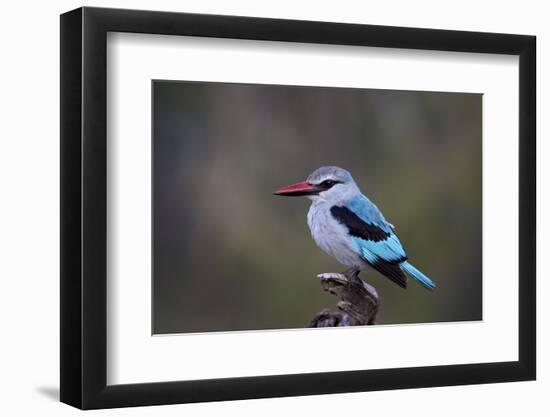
[(257, 208)]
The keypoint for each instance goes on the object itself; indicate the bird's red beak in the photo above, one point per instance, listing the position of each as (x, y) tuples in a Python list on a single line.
[(298, 189)]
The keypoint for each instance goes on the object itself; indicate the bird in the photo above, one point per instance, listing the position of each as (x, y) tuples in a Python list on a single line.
[(348, 226)]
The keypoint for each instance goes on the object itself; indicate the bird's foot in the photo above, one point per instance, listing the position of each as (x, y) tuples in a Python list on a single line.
[(352, 271), (352, 274)]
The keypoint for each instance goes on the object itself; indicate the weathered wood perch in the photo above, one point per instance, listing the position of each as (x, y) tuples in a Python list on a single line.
[(358, 301)]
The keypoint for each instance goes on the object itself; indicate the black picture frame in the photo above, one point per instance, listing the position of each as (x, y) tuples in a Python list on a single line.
[(83, 207)]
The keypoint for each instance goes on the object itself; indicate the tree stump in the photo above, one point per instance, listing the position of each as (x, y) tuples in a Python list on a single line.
[(358, 303)]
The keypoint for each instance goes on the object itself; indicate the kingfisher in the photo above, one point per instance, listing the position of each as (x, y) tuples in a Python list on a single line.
[(346, 225)]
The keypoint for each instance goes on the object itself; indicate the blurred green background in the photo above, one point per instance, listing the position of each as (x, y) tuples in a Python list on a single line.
[(228, 255)]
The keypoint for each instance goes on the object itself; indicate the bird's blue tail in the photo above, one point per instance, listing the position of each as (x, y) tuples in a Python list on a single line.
[(417, 275)]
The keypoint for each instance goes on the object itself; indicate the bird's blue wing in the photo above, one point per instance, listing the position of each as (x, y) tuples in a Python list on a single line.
[(375, 239)]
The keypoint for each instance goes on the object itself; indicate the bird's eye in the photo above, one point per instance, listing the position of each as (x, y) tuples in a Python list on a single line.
[(328, 183)]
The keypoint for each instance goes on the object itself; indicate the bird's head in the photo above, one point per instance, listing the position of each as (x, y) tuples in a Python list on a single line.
[(329, 183)]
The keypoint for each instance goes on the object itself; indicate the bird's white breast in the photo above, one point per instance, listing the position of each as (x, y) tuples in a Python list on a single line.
[(331, 236)]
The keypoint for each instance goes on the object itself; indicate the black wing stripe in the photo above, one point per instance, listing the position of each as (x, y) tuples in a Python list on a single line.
[(358, 227), (368, 231)]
